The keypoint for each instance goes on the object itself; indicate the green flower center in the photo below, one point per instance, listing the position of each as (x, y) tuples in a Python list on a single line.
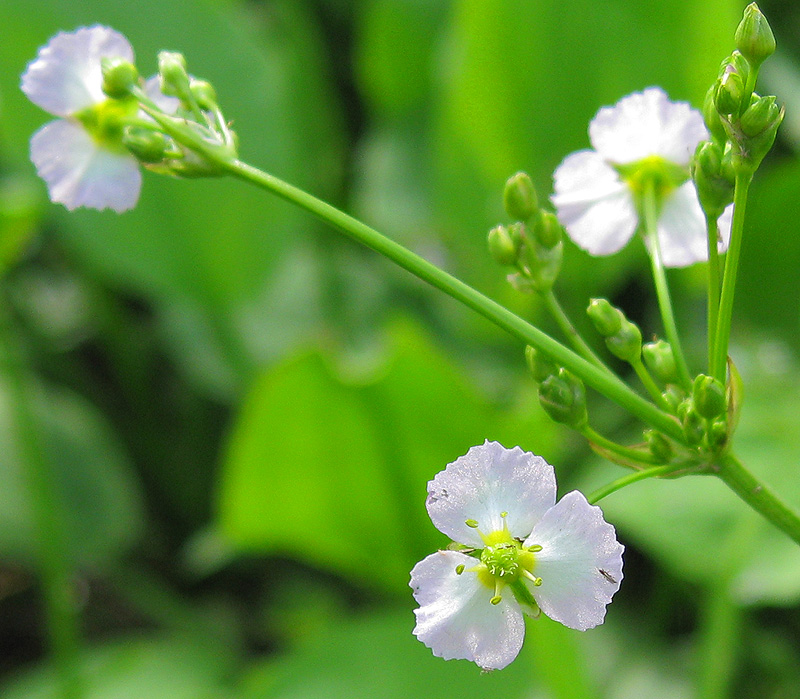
[(652, 176), (105, 121)]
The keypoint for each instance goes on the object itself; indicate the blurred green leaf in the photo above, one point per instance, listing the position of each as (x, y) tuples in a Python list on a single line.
[(99, 497), (320, 467), (178, 668)]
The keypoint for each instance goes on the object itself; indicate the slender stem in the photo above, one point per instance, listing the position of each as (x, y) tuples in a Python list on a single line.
[(629, 453), (601, 380), (759, 496), (720, 359), (650, 385), (45, 508), (620, 483), (566, 327), (662, 289), (713, 286)]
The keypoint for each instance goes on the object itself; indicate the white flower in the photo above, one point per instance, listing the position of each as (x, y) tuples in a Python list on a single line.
[(80, 156), (562, 558), (598, 206)]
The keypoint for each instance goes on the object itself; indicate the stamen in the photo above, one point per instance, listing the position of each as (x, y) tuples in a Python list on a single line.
[(460, 569), (530, 576), (473, 524)]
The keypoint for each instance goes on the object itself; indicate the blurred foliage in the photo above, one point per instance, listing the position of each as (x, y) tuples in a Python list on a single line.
[(241, 409)]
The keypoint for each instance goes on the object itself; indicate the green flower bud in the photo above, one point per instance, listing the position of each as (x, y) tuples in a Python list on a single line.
[(174, 78), (626, 343), (119, 76), (754, 37), (146, 146), (519, 197), (502, 247), (563, 397), (540, 365), (674, 395), (713, 178), (729, 93), (547, 230), (759, 125), (606, 319), (712, 118), (708, 395), (542, 264), (718, 434), (660, 361), (735, 63), (204, 93), (691, 422), (659, 445)]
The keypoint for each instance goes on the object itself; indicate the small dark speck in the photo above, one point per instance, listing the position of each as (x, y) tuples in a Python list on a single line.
[(607, 575)]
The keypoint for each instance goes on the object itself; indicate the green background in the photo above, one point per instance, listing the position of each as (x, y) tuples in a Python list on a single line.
[(242, 409)]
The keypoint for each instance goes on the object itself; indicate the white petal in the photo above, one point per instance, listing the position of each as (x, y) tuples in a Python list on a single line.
[(647, 123), (166, 103), (66, 76), (580, 563), (80, 173), (455, 618), (487, 481), (593, 204)]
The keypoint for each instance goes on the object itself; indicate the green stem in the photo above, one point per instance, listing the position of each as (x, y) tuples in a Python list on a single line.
[(713, 286), (573, 336), (45, 508), (628, 453), (720, 359), (620, 483), (662, 289), (759, 496), (650, 385)]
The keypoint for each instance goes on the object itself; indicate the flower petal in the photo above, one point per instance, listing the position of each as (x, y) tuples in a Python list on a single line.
[(593, 204), (647, 123), (682, 228), (67, 76), (78, 172), (580, 563), (455, 618), (166, 103), (487, 481)]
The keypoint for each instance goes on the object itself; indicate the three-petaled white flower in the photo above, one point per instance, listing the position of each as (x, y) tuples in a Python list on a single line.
[(81, 156), (644, 139), (528, 553)]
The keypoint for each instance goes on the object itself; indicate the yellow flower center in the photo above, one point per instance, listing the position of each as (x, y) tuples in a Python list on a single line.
[(104, 121)]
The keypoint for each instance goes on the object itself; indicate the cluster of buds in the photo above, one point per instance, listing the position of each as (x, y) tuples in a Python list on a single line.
[(742, 123), (532, 243)]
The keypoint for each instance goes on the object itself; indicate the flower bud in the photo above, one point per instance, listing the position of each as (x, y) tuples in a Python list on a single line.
[(735, 63), (718, 434), (146, 146), (691, 422), (626, 343), (204, 93), (713, 178), (708, 395), (519, 197), (659, 445), (754, 37), (119, 76), (606, 319), (712, 118), (729, 93), (174, 78), (660, 361), (542, 264), (563, 397), (539, 364), (501, 246), (759, 124), (674, 395), (547, 230)]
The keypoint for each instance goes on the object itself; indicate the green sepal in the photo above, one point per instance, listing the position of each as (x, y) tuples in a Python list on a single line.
[(119, 77), (539, 364), (145, 145), (754, 37), (502, 247), (660, 361), (708, 395), (547, 230), (659, 446), (714, 178), (563, 397), (606, 319), (519, 197)]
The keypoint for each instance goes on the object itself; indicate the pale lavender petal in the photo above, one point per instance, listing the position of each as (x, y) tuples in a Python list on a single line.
[(66, 76), (78, 172), (593, 204), (644, 124), (580, 563), (456, 619), (166, 103), (487, 481)]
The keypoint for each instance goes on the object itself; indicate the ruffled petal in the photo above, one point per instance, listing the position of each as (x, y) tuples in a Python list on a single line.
[(644, 124), (580, 563), (67, 76), (682, 228), (487, 481), (455, 618), (593, 204), (80, 173)]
